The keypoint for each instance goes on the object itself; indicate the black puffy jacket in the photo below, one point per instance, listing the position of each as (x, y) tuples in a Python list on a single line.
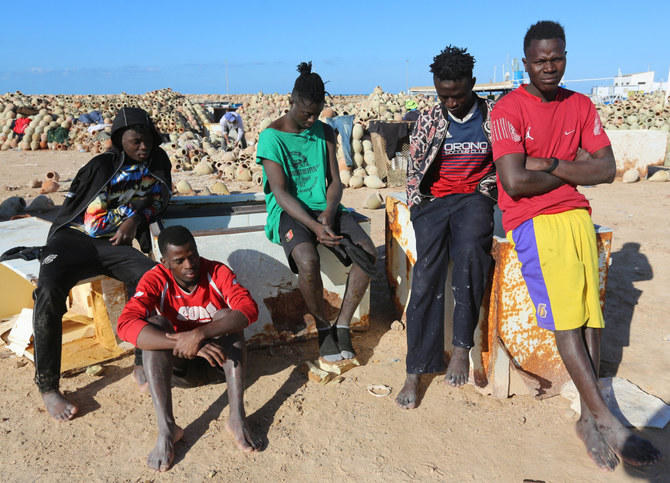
[(95, 175)]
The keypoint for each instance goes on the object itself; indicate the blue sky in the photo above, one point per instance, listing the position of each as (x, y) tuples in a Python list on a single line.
[(136, 46)]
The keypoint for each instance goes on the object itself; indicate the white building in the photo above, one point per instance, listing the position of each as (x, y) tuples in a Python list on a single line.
[(623, 84)]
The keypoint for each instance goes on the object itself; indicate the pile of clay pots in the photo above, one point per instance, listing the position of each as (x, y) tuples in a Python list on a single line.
[(639, 111), (173, 113)]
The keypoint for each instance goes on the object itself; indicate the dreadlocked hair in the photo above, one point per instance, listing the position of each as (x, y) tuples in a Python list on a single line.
[(309, 86), (542, 30), (453, 63)]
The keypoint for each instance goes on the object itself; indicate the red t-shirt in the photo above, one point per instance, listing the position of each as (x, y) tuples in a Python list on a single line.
[(522, 123), (158, 293)]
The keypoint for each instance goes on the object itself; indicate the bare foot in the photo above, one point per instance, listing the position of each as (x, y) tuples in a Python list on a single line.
[(408, 395), (239, 429), (141, 379), (630, 447), (161, 457), (596, 446), (59, 408), (459, 367)]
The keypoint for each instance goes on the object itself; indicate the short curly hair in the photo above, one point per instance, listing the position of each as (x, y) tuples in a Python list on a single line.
[(453, 63), (175, 235), (544, 29)]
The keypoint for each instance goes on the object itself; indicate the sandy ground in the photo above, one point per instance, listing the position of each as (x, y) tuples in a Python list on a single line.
[(339, 431)]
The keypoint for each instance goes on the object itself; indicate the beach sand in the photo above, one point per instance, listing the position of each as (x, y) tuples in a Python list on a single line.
[(339, 431)]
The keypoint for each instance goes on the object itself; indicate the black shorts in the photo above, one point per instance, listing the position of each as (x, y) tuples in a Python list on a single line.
[(197, 371), (292, 232)]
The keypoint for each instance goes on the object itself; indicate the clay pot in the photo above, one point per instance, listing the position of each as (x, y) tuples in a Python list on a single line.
[(374, 201), (345, 176), (184, 188), (49, 186), (242, 174), (373, 182), (356, 182), (53, 176)]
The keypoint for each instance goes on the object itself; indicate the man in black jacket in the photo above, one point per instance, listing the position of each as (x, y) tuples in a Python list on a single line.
[(112, 200)]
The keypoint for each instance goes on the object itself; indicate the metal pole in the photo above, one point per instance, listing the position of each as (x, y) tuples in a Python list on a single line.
[(407, 76)]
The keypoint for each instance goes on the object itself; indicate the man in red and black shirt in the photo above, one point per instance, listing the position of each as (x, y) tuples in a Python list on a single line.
[(189, 310), (449, 181)]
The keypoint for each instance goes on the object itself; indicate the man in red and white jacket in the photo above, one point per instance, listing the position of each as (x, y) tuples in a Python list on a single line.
[(185, 310)]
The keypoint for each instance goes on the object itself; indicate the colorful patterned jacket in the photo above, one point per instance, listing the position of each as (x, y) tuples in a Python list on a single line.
[(425, 142)]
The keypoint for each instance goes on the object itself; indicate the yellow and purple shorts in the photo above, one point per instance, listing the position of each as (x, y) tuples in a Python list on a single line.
[(559, 263)]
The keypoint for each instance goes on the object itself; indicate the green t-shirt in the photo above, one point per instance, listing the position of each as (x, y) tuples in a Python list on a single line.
[(303, 157)]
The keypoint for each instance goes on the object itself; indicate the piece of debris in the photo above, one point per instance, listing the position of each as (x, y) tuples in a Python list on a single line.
[(339, 367), (660, 176), (630, 404), (631, 176), (94, 370), (316, 374), (379, 390)]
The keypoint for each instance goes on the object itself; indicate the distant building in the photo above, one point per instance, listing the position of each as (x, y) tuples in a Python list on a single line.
[(641, 82)]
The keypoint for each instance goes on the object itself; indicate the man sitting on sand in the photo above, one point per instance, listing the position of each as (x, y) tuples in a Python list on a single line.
[(186, 311), (546, 141), (302, 193), (111, 201)]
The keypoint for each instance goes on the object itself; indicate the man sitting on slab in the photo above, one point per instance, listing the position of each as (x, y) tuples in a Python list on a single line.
[(302, 192), (186, 311), (111, 201), (547, 140)]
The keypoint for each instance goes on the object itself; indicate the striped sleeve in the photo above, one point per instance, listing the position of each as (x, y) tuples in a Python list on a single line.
[(505, 128)]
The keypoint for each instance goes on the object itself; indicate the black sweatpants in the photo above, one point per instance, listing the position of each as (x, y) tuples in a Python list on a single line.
[(68, 257), (457, 227)]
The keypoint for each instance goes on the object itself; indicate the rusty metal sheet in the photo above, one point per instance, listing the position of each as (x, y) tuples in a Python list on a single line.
[(531, 348), (507, 313)]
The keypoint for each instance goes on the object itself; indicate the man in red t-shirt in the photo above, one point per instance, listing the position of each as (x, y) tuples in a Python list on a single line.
[(184, 309), (546, 141)]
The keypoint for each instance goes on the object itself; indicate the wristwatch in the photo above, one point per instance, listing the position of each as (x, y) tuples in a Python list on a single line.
[(554, 164)]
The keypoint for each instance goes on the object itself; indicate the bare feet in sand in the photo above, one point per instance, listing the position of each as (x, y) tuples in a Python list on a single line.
[(161, 457), (408, 395), (459, 367), (596, 446), (59, 408), (239, 429), (630, 447), (141, 379)]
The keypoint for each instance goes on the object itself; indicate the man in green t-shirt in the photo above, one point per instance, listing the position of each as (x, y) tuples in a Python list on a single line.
[(302, 193)]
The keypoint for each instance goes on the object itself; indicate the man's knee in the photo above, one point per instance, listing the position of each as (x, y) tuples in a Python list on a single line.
[(161, 322), (233, 346), (306, 260)]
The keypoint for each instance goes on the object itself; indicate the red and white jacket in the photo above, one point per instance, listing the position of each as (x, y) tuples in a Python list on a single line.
[(158, 293)]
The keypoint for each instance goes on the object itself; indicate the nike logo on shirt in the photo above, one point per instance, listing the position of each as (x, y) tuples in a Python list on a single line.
[(567, 133)]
